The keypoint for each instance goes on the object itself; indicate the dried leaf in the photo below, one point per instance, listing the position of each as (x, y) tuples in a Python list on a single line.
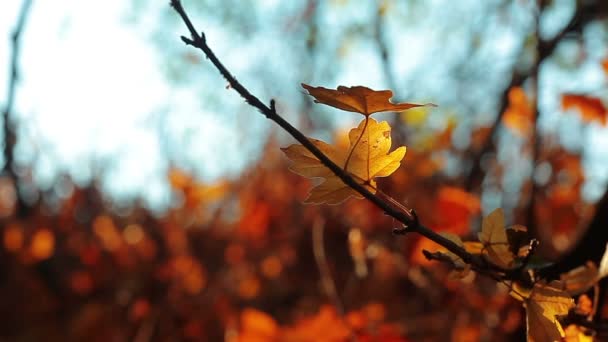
[(493, 236), (544, 304), (366, 159), (358, 99), (590, 108)]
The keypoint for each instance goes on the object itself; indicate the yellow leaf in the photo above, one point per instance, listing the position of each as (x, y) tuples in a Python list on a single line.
[(367, 157), (544, 304), (358, 99), (493, 236)]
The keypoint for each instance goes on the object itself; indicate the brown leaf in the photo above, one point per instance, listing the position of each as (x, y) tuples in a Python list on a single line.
[(358, 99)]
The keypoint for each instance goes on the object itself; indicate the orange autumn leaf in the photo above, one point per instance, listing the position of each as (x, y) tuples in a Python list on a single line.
[(325, 326), (590, 108), (518, 116), (358, 99)]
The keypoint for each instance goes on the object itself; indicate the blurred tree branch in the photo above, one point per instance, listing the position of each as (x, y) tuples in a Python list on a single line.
[(585, 12), (541, 53), (9, 126), (386, 61)]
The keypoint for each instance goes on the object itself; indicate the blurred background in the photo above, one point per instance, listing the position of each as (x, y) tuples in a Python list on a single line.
[(142, 199)]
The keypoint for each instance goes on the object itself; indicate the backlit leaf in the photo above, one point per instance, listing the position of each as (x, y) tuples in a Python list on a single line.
[(358, 99), (546, 301), (366, 158), (493, 236)]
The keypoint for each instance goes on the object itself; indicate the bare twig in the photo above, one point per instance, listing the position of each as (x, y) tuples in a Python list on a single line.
[(406, 217)]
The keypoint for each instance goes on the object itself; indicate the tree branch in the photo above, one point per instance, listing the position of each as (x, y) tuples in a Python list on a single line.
[(406, 217)]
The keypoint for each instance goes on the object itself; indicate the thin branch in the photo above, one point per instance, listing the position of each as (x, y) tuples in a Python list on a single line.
[(406, 217), (386, 63)]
